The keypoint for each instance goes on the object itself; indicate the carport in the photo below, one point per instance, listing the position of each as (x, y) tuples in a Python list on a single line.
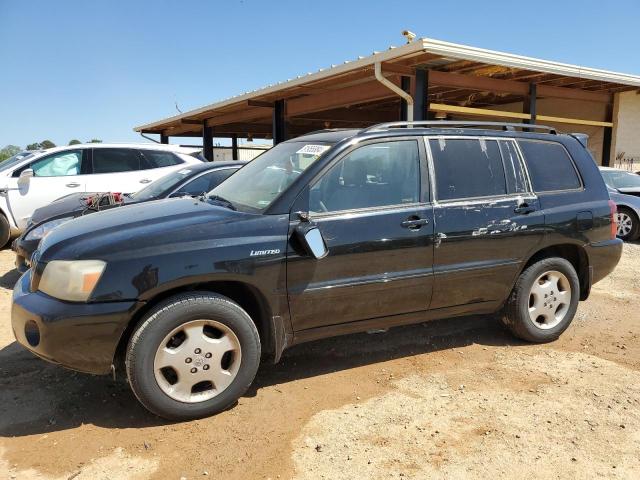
[(423, 79)]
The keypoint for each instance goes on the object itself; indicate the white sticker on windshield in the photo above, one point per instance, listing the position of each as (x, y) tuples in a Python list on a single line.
[(314, 149), (184, 171)]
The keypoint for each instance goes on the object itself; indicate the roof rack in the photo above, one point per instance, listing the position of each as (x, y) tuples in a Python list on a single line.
[(460, 124)]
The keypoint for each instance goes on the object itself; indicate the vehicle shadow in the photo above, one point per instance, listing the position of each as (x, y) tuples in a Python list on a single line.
[(9, 279), (38, 397)]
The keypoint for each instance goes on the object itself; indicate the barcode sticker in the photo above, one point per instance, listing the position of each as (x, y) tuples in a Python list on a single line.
[(314, 149)]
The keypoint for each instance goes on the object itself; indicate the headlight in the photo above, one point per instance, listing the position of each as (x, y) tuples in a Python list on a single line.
[(41, 230), (71, 280)]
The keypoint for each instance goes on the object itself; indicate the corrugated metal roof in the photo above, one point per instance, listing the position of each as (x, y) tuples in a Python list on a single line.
[(449, 52)]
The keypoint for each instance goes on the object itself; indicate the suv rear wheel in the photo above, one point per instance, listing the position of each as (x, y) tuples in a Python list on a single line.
[(628, 225), (543, 301), (193, 356)]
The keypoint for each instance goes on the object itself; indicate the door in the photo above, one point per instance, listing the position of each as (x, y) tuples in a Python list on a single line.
[(54, 176), (115, 170), (487, 220), (372, 208)]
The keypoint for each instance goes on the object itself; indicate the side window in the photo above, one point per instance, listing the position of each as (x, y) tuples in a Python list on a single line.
[(374, 175), (159, 159), (58, 165), (113, 160), (206, 182), (467, 168), (513, 171), (550, 166)]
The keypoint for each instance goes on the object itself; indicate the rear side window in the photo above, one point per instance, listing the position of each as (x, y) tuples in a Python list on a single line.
[(159, 159), (467, 168), (113, 160), (550, 166), (513, 171)]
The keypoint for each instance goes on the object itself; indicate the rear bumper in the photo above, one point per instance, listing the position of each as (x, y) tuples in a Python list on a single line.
[(603, 258), (79, 336)]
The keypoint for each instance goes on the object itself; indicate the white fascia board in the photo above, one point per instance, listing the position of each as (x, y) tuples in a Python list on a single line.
[(492, 57)]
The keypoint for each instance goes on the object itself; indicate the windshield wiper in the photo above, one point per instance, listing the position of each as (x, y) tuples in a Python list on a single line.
[(220, 201)]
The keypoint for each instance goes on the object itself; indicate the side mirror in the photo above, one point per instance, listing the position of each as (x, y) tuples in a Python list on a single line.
[(26, 174), (311, 239)]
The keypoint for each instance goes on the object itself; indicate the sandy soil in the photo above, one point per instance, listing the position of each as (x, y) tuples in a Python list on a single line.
[(450, 399)]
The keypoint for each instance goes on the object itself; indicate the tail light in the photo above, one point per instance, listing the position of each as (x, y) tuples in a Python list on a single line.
[(613, 208)]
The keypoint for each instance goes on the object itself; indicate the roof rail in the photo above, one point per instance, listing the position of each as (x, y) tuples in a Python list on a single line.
[(460, 124)]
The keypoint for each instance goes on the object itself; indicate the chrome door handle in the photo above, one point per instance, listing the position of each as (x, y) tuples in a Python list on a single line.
[(145, 180), (524, 208), (73, 185), (414, 223)]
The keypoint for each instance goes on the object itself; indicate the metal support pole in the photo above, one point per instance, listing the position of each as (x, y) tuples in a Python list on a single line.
[(421, 95), (234, 147), (279, 122), (207, 141), (164, 138), (530, 105), (606, 146)]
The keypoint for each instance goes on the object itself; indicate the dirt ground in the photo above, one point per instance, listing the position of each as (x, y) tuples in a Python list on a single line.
[(450, 399)]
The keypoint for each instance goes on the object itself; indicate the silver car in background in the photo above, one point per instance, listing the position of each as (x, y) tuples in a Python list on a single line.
[(624, 189)]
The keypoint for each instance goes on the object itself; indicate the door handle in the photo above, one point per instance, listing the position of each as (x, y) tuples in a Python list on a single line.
[(414, 223), (73, 185), (524, 208), (145, 180)]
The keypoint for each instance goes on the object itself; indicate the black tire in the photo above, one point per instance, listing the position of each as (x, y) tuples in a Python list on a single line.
[(5, 231), (635, 225), (161, 321), (515, 315)]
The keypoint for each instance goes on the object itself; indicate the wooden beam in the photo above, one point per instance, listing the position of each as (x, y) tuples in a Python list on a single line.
[(440, 107), (244, 115), (344, 97), (398, 69), (187, 121), (447, 79), (260, 103)]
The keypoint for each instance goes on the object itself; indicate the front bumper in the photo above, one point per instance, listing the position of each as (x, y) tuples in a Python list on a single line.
[(79, 336)]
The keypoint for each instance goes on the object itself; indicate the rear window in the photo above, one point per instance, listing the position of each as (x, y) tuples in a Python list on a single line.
[(467, 168), (159, 159), (550, 166)]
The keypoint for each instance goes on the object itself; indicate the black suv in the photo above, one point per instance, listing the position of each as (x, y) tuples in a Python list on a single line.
[(330, 233)]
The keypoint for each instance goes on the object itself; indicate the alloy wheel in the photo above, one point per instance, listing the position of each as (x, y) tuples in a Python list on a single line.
[(549, 299), (197, 361), (625, 224)]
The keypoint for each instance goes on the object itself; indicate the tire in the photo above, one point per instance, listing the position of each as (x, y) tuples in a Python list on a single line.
[(5, 231), (631, 225), (534, 295), (229, 347)]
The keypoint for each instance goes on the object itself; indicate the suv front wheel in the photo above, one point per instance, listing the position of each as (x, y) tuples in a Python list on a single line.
[(193, 356), (543, 301)]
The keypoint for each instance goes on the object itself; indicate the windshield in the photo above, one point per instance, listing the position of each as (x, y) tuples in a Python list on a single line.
[(620, 179), (154, 189), (256, 185), (16, 159)]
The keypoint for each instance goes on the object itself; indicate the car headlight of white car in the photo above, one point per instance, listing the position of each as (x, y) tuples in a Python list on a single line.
[(41, 230), (71, 280)]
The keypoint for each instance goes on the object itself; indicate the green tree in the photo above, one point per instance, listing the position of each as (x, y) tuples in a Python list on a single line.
[(95, 140), (47, 144), (74, 142), (34, 146), (9, 151)]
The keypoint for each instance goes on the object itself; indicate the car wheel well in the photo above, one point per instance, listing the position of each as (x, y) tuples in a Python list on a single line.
[(248, 297), (575, 254)]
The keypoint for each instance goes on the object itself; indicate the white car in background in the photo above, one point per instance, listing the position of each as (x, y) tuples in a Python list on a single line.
[(36, 180)]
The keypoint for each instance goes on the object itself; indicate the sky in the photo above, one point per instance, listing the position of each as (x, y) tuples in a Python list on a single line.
[(96, 69)]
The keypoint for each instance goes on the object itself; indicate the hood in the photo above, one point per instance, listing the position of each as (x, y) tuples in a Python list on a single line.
[(130, 229), (635, 191), (63, 206)]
